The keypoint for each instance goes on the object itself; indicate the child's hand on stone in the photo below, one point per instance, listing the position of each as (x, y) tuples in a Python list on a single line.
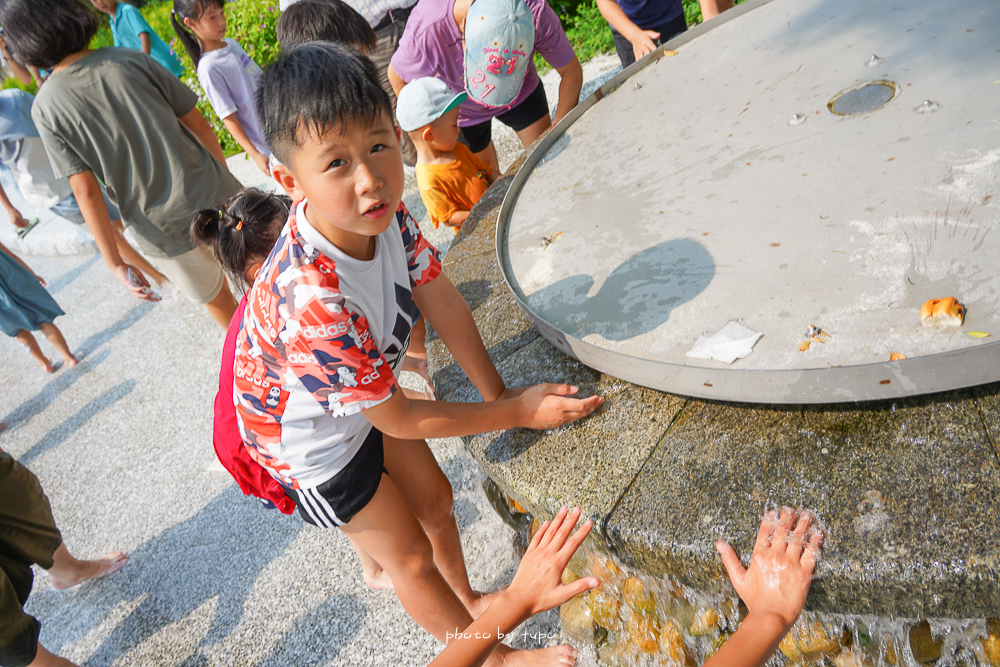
[(546, 406), (781, 566), (537, 583), (643, 44)]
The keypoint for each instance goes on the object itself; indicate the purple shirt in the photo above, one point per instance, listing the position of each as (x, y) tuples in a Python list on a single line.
[(431, 45)]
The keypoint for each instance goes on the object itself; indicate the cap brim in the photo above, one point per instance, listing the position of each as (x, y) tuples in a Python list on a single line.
[(458, 99)]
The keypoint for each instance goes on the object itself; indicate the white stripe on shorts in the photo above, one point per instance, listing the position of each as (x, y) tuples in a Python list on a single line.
[(325, 508), (307, 502)]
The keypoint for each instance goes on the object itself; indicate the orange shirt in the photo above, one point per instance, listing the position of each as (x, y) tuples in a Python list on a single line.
[(456, 186)]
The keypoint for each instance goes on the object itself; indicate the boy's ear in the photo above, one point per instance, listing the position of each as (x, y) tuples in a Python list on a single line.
[(427, 134), (286, 179)]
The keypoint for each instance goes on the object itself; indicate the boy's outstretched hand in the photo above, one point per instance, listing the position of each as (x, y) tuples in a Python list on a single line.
[(781, 566), (537, 582), (547, 406)]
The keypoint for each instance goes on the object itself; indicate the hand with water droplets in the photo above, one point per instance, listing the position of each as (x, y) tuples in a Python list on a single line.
[(781, 567)]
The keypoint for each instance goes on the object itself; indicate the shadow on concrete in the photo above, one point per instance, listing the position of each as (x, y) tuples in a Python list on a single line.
[(636, 297), (60, 383), (324, 632), (98, 339), (71, 425), (68, 377), (65, 279), (218, 553)]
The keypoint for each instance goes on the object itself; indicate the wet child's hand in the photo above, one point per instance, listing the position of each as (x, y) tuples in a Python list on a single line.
[(537, 584), (547, 406), (781, 566)]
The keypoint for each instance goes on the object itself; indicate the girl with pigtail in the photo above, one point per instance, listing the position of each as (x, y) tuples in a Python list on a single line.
[(240, 235), (225, 71)]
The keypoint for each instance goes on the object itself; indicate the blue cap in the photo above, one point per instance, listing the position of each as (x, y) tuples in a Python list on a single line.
[(424, 100), (499, 41)]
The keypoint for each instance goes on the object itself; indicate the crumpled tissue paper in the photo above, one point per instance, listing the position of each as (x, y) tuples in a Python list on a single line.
[(734, 341)]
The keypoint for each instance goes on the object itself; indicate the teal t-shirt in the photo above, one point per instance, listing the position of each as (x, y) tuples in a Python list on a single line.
[(128, 24)]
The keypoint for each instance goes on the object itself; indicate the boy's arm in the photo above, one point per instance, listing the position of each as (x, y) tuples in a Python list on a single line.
[(543, 406), (642, 40), (570, 84), (15, 216), (536, 588), (449, 314), (239, 134), (774, 588), (194, 121), (145, 43), (88, 196)]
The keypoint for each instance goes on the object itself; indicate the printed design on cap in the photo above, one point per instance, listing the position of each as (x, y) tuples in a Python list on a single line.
[(499, 40)]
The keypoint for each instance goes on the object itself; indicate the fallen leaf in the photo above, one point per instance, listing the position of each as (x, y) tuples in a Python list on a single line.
[(978, 334), (803, 346), (896, 356)]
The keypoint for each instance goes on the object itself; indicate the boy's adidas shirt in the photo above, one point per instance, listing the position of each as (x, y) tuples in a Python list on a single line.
[(322, 335)]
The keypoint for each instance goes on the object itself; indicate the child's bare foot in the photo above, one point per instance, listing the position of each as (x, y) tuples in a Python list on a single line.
[(553, 656), (70, 572), (71, 361)]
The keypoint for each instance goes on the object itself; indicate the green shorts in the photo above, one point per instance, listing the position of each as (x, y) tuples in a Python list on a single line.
[(28, 535)]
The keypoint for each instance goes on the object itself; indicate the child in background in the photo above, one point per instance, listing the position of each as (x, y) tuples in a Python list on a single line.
[(25, 307), (328, 323), (118, 117), (326, 21), (450, 177), (639, 26), (130, 30), (226, 73), (240, 235), (22, 152)]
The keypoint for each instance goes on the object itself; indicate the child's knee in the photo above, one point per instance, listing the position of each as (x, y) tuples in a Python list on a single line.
[(439, 504), (417, 562)]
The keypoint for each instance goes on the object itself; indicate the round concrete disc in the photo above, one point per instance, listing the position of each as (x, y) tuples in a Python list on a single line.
[(720, 185)]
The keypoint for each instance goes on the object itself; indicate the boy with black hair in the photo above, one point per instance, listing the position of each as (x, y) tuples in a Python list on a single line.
[(118, 117), (325, 21), (329, 321)]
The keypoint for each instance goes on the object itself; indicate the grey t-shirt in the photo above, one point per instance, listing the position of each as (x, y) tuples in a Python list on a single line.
[(115, 112)]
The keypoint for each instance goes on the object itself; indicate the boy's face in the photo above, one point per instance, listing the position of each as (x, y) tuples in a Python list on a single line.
[(106, 6), (352, 176), (446, 131)]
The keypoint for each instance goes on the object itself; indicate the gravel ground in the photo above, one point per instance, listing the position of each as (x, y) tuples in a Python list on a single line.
[(122, 446)]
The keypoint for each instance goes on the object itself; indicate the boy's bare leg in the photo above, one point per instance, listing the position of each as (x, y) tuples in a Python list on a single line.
[(67, 571), (428, 494), (222, 307), (373, 574), (132, 256), (389, 532), (55, 337), (45, 659), (25, 338)]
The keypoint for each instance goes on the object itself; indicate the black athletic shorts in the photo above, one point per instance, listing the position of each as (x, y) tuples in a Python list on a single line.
[(336, 501), (525, 114)]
